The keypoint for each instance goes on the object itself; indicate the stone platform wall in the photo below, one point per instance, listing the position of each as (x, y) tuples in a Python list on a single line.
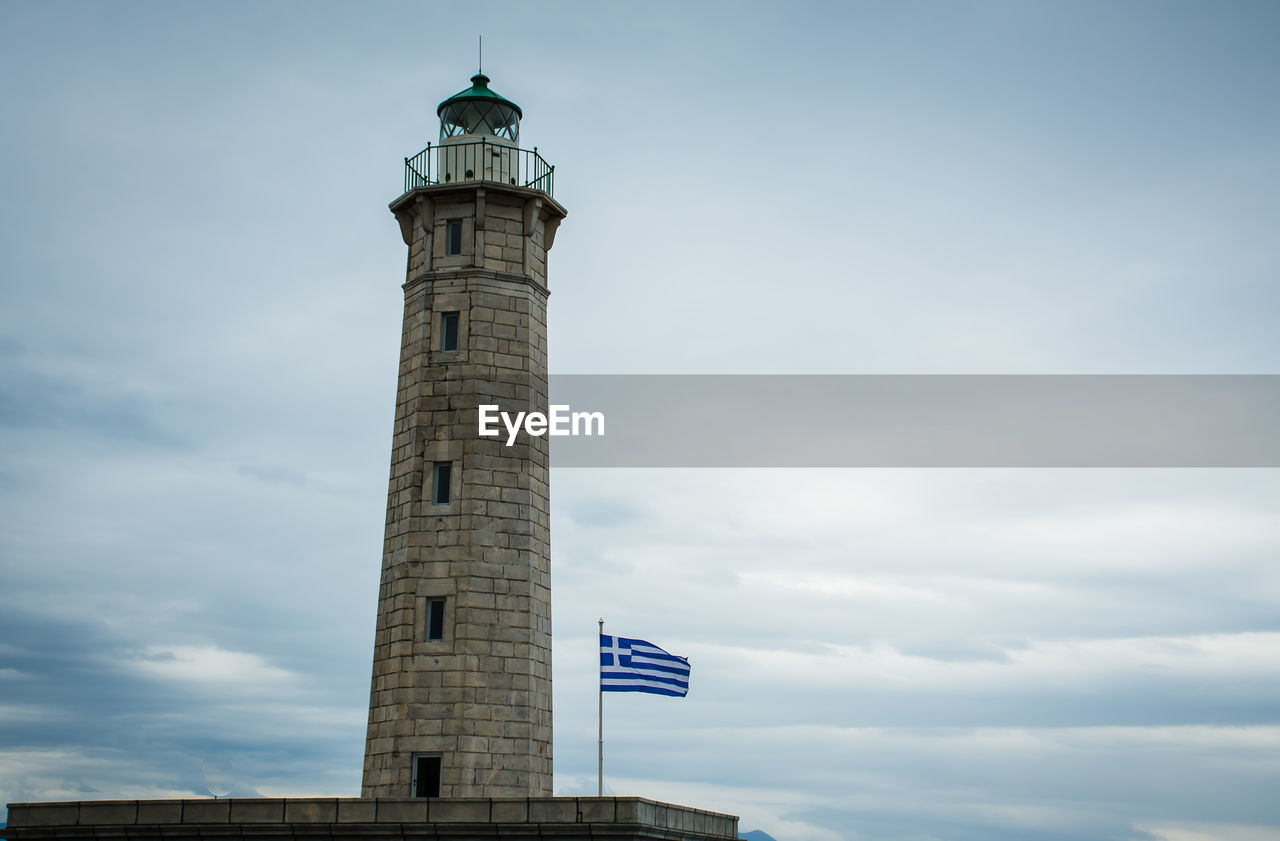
[(516, 819)]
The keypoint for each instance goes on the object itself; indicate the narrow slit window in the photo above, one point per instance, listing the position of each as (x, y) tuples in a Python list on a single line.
[(453, 242), (449, 331), (435, 620), (441, 483), (426, 776)]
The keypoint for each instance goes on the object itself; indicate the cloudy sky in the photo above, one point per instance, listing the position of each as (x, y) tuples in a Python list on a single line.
[(199, 329)]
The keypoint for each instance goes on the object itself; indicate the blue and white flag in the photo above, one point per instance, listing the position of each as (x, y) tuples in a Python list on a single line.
[(629, 665)]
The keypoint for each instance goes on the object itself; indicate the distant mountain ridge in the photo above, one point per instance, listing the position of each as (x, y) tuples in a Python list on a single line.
[(756, 835)]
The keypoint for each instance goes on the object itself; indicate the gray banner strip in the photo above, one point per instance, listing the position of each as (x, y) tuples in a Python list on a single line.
[(921, 421)]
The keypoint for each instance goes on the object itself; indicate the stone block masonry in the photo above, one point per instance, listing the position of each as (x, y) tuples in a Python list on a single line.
[(475, 698)]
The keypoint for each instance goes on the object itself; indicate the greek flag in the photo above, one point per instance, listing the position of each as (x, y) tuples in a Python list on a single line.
[(630, 665)]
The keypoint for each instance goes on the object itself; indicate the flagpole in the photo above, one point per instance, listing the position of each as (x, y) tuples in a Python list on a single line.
[(600, 721)]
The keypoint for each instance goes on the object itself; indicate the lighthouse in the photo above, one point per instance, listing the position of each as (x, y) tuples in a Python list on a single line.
[(460, 704), (459, 732)]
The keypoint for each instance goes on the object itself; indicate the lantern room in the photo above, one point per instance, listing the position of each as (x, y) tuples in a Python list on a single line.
[(479, 133), (479, 111)]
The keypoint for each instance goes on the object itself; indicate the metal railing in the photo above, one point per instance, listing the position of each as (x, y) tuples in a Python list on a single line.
[(479, 160)]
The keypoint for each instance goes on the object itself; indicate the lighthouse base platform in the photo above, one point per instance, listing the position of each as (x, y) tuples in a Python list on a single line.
[(368, 819)]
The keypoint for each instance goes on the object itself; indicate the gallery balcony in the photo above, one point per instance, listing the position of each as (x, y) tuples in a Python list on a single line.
[(487, 159)]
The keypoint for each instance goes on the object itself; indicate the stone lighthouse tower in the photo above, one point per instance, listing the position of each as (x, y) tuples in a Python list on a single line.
[(461, 699), (459, 739)]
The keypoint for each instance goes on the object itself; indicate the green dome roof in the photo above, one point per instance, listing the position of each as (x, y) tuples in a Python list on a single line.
[(479, 90)]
